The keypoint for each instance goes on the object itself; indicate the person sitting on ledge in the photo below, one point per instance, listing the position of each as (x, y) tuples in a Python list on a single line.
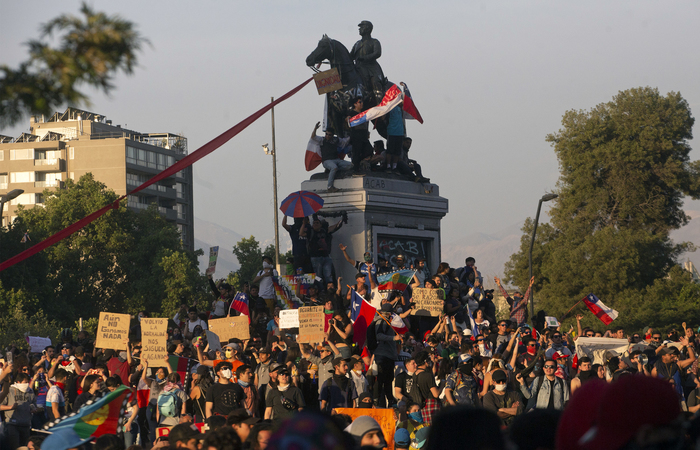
[(329, 154)]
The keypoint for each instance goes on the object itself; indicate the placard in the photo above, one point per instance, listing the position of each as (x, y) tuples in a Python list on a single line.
[(213, 255), (154, 341), (113, 331), (328, 81), (289, 318), (37, 344), (383, 416), (213, 341), (429, 302), (552, 322), (311, 321), (230, 328)]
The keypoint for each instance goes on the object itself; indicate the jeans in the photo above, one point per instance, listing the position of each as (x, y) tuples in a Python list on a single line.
[(333, 165), (130, 436), (323, 266), (383, 382), (16, 435)]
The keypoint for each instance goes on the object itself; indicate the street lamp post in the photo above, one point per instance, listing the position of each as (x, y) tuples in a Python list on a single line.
[(13, 194), (274, 183), (545, 198)]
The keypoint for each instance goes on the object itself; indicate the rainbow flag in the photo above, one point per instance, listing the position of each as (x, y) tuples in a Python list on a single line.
[(304, 280), (284, 295), (95, 418), (395, 281)]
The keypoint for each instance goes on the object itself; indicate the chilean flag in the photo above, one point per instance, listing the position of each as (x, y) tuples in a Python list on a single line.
[(312, 158), (361, 317), (398, 324), (409, 108), (391, 100), (240, 304), (604, 313)]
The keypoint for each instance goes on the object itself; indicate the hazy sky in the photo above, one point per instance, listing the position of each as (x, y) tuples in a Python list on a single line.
[(491, 79)]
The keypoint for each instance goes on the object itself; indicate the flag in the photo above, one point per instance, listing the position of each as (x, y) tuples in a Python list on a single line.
[(475, 329), (361, 317), (395, 281), (143, 393), (95, 418), (398, 324), (409, 108), (240, 304), (181, 365), (391, 100), (313, 158), (604, 313), (284, 295)]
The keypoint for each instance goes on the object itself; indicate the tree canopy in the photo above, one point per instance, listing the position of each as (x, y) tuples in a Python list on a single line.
[(624, 172)]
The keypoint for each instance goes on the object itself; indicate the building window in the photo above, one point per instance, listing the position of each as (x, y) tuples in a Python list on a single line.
[(72, 176), (71, 153), (21, 177), (2, 155), (24, 153), (24, 199), (131, 155), (3, 181)]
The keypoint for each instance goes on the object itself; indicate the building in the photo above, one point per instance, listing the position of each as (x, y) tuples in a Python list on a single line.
[(73, 143)]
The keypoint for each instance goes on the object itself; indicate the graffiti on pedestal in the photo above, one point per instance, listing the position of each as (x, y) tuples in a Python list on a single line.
[(388, 247)]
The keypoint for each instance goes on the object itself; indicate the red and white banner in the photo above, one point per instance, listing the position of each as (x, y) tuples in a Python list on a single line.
[(604, 313), (391, 100)]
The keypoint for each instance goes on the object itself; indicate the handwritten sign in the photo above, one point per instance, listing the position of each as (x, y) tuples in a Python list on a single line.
[(154, 341), (311, 321), (289, 318), (230, 328), (429, 302), (37, 344), (383, 416), (213, 256), (328, 81), (112, 331)]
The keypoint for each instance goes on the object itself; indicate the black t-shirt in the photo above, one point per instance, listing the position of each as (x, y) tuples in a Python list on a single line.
[(298, 242), (422, 383), (226, 397), (329, 149), (320, 242), (294, 399), (404, 381)]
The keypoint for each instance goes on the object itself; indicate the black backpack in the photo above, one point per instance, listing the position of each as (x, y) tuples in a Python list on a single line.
[(372, 342)]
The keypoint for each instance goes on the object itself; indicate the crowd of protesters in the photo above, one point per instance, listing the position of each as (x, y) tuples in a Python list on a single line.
[(465, 379)]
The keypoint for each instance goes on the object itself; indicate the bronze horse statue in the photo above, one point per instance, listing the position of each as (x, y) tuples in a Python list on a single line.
[(339, 102)]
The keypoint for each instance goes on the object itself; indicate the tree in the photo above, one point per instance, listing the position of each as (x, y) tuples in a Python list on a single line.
[(249, 256), (91, 51), (624, 171)]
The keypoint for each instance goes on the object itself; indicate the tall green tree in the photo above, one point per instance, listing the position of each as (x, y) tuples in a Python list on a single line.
[(91, 50), (625, 169)]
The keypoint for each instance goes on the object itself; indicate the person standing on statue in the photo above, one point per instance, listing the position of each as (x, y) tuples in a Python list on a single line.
[(359, 137), (365, 53)]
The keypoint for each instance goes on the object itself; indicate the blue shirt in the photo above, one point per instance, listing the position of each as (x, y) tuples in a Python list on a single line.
[(395, 127)]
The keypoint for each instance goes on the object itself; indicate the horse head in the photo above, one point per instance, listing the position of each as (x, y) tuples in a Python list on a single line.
[(323, 51)]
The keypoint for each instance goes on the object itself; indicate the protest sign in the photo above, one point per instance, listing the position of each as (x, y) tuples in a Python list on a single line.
[(213, 341), (289, 318), (112, 331), (383, 416), (230, 328), (37, 344), (328, 81), (552, 322), (311, 321), (154, 341), (429, 302), (213, 255)]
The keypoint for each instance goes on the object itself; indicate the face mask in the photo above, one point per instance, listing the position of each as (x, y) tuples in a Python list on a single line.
[(228, 353), (267, 265), (585, 375), (416, 416), (140, 318), (501, 387), (368, 258), (243, 383), (532, 350), (226, 373), (159, 379)]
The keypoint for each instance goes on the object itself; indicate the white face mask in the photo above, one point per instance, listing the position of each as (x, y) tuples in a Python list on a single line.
[(267, 265), (226, 373), (500, 387)]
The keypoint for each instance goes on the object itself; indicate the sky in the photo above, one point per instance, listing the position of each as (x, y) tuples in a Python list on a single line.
[(491, 80)]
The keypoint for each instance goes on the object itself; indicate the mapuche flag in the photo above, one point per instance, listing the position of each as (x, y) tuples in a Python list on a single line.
[(395, 281), (93, 419), (604, 313), (362, 315)]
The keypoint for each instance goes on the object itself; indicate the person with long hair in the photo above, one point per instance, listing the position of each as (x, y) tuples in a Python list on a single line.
[(201, 380)]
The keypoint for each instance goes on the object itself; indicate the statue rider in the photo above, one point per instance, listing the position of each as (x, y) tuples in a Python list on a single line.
[(365, 53)]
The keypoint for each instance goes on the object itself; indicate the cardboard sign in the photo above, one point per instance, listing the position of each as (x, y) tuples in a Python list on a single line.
[(154, 341), (383, 416), (37, 344), (429, 302), (289, 318), (213, 255), (230, 328), (328, 81), (112, 331), (213, 340), (311, 322), (552, 322)]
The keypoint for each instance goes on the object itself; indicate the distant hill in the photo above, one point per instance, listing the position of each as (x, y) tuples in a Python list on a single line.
[(208, 234)]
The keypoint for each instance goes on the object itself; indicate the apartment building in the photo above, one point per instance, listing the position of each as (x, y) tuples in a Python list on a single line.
[(75, 142)]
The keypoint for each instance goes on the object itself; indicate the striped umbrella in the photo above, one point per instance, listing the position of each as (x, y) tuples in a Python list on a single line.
[(301, 204)]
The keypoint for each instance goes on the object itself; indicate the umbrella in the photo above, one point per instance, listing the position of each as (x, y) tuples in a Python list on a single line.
[(301, 204)]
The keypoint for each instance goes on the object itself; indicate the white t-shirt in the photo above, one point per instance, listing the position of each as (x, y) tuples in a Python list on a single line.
[(267, 290), (191, 325)]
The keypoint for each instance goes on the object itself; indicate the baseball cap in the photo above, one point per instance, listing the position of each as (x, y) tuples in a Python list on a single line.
[(183, 433), (467, 332), (386, 307), (664, 351), (421, 437), (274, 367), (629, 404), (402, 437), (499, 375), (360, 275), (265, 350), (66, 345), (337, 361)]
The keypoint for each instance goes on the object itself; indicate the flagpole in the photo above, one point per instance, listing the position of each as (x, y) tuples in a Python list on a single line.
[(564, 316)]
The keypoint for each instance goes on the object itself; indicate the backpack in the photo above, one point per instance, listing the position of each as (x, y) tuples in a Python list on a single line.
[(415, 393), (167, 403), (371, 339)]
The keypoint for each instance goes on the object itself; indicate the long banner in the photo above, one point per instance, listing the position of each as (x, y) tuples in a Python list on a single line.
[(170, 171)]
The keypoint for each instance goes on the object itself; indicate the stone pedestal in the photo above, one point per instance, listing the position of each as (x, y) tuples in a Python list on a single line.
[(387, 216)]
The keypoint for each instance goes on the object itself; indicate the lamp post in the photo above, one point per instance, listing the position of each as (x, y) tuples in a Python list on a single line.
[(13, 194), (274, 187), (545, 198)]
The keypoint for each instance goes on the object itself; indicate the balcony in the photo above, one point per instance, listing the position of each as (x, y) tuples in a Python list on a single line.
[(50, 165), (50, 183)]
